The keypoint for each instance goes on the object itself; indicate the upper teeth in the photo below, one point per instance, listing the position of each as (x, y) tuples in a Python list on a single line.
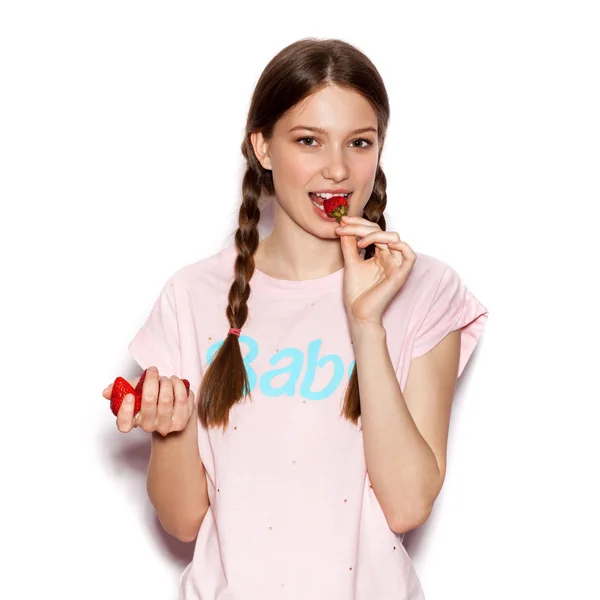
[(327, 195)]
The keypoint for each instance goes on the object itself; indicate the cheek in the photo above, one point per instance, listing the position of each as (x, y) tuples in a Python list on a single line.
[(364, 176), (291, 169), (365, 170)]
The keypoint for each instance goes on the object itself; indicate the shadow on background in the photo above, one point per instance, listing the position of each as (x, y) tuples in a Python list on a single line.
[(128, 457), (416, 541)]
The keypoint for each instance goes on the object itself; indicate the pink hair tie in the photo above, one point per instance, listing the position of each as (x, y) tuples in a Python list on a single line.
[(234, 331)]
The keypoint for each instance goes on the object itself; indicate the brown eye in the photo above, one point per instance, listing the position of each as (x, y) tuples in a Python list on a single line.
[(304, 139), (367, 142)]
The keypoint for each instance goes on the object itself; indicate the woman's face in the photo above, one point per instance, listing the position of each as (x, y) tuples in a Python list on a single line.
[(327, 142)]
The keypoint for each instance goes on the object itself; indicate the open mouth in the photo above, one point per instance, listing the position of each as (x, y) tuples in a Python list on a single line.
[(317, 198)]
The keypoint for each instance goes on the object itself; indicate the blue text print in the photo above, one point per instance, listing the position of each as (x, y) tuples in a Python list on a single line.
[(294, 359)]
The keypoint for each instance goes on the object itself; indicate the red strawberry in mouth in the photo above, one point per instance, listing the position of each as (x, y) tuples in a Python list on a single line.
[(121, 387), (337, 207)]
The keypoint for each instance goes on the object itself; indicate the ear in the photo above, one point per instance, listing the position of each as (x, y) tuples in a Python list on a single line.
[(261, 149)]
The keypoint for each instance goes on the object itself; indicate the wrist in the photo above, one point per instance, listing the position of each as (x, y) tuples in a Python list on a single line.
[(366, 329), (189, 431)]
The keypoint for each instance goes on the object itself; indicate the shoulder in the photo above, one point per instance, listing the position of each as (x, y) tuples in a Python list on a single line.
[(432, 286), (425, 277)]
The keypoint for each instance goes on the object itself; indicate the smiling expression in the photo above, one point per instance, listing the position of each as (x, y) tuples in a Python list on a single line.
[(327, 143)]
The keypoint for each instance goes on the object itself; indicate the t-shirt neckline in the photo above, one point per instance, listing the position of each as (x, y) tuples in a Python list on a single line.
[(332, 280), (299, 284)]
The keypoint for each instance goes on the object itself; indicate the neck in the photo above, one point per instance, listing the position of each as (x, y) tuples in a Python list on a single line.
[(292, 253)]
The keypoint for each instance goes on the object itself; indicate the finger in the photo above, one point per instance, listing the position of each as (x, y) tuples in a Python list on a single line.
[(125, 414), (181, 405), (383, 237), (361, 231), (404, 249), (396, 272), (349, 249), (164, 419), (404, 254), (359, 221), (193, 405), (392, 260), (356, 229), (397, 252), (147, 416), (192, 402)]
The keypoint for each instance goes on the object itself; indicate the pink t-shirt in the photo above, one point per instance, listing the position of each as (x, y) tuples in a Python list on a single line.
[(292, 515)]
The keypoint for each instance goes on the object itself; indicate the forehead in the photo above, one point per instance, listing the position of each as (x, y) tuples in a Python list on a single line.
[(335, 109)]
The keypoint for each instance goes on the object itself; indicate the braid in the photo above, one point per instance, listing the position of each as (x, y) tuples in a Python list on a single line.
[(246, 241), (373, 212), (374, 208), (218, 393)]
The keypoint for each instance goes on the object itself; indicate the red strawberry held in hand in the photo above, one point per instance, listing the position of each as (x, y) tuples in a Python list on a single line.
[(336, 206), (121, 388)]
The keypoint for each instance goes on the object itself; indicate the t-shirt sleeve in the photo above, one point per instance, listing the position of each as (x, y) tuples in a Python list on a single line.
[(157, 342), (452, 307)]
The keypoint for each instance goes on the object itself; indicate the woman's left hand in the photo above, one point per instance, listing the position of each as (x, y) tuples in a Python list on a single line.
[(370, 285)]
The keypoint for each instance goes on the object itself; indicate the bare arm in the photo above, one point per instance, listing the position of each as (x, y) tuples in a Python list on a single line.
[(176, 482), (405, 435)]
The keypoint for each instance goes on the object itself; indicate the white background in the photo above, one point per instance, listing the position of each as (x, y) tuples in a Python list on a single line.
[(120, 128)]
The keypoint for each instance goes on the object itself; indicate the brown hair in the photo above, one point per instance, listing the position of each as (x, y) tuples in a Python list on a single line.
[(297, 71)]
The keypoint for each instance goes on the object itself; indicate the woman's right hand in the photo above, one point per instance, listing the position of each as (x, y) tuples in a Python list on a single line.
[(166, 407)]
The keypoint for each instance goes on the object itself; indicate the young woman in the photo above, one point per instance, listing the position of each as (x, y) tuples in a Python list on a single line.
[(324, 356)]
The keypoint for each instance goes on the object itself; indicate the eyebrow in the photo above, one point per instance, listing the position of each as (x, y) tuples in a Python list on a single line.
[(324, 132)]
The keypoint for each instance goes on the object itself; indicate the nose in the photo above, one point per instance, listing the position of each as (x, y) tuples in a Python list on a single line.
[(335, 166)]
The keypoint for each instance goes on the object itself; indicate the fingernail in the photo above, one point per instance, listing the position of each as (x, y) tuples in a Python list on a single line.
[(129, 399)]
